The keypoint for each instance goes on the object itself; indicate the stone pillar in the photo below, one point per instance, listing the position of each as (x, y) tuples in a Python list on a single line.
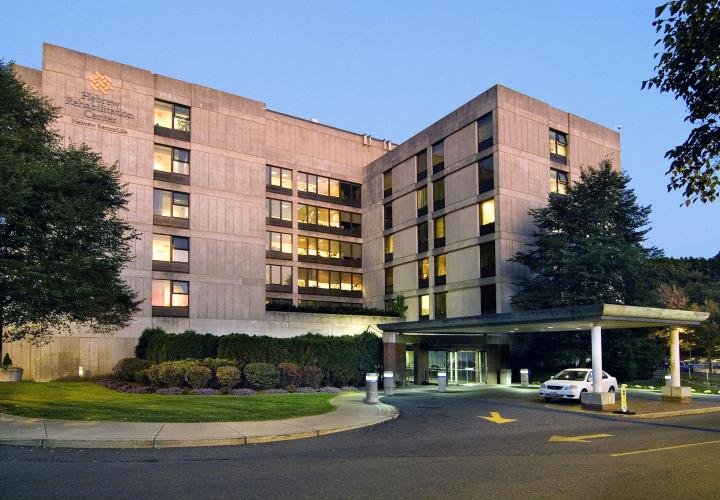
[(421, 365), (394, 355), (596, 344)]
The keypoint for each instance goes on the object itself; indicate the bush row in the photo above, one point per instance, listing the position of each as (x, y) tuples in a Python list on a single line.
[(343, 360), (351, 311), (213, 373)]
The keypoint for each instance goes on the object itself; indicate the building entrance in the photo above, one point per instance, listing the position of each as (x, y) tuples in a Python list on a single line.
[(461, 367)]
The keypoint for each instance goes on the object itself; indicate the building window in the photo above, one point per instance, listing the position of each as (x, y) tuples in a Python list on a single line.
[(486, 174), (441, 305), (439, 232), (485, 132), (388, 280), (487, 259), (422, 237), (171, 160), (323, 279), (347, 192), (344, 222), (278, 210), (172, 116), (422, 201), (487, 217), (388, 215), (440, 269), (439, 194), (279, 242), (310, 246), (438, 156), (387, 183), (558, 181), (423, 273), (278, 301), (168, 248), (421, 165), (170, 293), (424, 307), (558, 146), (488, 303), (278, 177), (389, 248), (171, 204), (278, 275)]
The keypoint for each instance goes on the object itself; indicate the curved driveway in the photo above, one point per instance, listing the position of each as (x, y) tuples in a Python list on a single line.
[(438, 448)]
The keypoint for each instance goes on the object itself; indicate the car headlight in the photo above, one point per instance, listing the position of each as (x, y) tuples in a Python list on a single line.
[(572, 386)]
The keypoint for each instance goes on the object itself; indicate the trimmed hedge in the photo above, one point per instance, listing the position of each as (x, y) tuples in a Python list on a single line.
[(343, 360), (350, 311)]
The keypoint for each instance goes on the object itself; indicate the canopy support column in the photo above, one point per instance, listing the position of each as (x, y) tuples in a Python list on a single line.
[(596, 344), (674, 391)]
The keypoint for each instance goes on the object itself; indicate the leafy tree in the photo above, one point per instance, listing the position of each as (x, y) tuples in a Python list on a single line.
[(706, 336), (589, 249), (62, 242), (688, 68)]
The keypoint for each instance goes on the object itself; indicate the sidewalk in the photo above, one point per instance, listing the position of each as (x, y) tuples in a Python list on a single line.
[(351, 413)]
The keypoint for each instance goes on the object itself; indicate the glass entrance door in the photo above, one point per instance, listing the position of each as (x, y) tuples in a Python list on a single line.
[(465, 367)]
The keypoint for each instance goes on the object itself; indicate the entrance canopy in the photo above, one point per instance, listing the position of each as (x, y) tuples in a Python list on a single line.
[(608, 316)]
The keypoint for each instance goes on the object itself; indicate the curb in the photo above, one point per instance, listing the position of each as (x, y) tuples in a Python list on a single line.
[(385, 411), (647, 416)]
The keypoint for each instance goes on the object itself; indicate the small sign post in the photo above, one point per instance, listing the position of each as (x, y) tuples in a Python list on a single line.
[(623, 402)]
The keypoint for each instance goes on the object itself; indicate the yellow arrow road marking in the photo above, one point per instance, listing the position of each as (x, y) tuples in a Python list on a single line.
[(577, 439), (496, 418)]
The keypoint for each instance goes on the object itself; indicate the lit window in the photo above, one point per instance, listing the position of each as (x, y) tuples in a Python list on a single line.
[(487, 212), (387, 183), (439, 228), (558, 146), (424, 307), (422, 198), (346, 281), (280, 177), (323, 248), (421, 165), (558, 181), (279, 242), (172, 116), (169, 159), (423, 272), (389, 244), (171, 204), (278, 275), (168, 248), (170, 293), (441, 265), (278, 209), (334, 188)]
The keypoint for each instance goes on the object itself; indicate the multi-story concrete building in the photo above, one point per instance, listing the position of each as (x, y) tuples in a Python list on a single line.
[(223, 188)]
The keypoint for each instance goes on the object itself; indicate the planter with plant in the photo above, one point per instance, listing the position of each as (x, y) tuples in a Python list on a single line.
[(10, 373)]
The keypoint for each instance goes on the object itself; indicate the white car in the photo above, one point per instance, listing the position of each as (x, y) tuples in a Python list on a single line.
[(570, 383)]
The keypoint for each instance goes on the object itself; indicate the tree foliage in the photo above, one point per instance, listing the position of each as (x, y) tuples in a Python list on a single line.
[(688, 67), (62, 242), (589, 249), (588, 246)]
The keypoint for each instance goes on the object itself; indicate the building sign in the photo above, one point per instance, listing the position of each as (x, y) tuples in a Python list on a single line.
[(97, 107)]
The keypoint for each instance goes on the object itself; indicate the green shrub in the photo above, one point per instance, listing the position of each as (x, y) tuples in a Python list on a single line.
[(157, 346), (228, 376), (261, 375), (215, 363), (127, 369), (198, 376), (290, 374), (145, 338), (171, 374), (312, 376)]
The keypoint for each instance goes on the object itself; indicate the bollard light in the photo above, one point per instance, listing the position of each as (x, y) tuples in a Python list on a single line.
[(442, 381), (388, 383), (371, 388), (524, 377), (668, 379), (81, 372)]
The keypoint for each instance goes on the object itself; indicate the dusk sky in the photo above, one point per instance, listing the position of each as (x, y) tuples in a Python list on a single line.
[(392, 68)]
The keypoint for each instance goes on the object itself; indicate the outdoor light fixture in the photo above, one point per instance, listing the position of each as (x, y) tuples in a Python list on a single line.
[(371, 388), (369, 377), (81, 372), (524, 377)]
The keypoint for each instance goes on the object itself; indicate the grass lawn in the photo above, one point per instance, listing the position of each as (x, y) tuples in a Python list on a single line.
[(698, 383), (89, 401)]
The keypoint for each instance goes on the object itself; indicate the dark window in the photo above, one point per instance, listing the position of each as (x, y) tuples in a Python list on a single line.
[(558, 181), (558, 146), (388, 280), (421, 165), (485, 132), (278, 209), (387, 183), (487, 259), (423, 273), (389, 305), (277, 301), (439, 232), (388, 216), (278, 275), (487, 300), (439, 194), (441, 305), (422, 237), (422, 201), (438, 156), (485, 174)]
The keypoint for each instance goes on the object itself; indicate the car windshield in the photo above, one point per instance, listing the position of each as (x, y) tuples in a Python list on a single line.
[(578, 375)]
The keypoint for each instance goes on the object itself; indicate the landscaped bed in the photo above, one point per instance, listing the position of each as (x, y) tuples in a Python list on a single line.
[(90, 401)]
